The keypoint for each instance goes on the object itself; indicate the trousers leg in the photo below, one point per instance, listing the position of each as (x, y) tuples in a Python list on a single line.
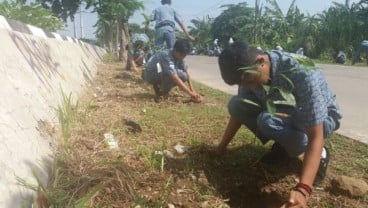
[(285, 132), (280, 129), (168, 83), (246, 113), (170, 39)]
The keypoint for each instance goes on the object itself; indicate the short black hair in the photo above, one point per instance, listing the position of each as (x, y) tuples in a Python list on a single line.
[(165, 2), (182, 46), (236, 55)]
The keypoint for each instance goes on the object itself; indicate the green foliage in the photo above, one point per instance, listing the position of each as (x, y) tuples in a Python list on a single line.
[(111, 16), (304, 61), (274, 95), (110, 57), (341, 26), (66, 114), (113, 8), (33, 14), (82, 202), (154, 159), (63, 8), (201, 31), (233, 22), (278, 95), (287, 98)]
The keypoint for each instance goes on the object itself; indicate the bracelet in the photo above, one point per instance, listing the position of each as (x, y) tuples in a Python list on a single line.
[(304, 186), (300, 191)]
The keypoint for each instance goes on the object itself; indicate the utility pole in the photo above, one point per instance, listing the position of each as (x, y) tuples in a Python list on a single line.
[(81, 22), (74, 29)]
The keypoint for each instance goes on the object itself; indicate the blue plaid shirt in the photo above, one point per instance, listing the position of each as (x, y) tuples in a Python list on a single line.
[(314, 99), (169, 66)]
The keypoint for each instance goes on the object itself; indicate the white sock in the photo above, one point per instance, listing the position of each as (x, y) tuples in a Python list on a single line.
[(324, 153)]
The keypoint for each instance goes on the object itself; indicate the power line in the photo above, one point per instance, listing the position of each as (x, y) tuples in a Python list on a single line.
[(209, 8)]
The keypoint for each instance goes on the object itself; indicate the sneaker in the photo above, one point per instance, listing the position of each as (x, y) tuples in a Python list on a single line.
[(157, 90), (322, 169), (276, 154)]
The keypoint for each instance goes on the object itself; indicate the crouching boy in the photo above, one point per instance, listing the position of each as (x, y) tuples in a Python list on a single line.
[(166, 69)]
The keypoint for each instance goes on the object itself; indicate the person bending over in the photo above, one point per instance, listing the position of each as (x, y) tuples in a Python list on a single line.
[(282, 100), (167, 69)]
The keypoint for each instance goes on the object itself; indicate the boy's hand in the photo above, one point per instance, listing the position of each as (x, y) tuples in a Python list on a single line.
[(296, 200), (197, 98)]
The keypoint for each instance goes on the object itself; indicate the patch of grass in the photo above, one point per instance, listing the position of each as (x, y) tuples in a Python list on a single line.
[(139, 174), (110, 58), (349, 156), (66, 114), (154, 158)]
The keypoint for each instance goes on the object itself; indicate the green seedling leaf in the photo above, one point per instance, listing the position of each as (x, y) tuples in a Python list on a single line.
[(251, 103), (271, 108), (267, 88), (249, 68), (288, 80), (306, 62), (288, 97), (81, 203)]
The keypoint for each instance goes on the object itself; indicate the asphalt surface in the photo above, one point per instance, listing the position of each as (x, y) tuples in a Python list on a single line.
[(350, 84)]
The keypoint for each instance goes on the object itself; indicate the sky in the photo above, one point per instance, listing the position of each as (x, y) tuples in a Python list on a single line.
[(192, 9)]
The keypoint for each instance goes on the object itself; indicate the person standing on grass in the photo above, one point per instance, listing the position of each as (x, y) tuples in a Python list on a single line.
[(165, 17), (166, 69), (283, 100)]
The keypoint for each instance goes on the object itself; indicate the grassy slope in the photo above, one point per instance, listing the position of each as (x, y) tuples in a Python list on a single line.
[(88, 173)]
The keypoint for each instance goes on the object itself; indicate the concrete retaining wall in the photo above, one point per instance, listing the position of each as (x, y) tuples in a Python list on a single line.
[(34, 67)]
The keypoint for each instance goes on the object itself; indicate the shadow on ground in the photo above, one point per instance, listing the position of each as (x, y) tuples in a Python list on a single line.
[(238, 177)]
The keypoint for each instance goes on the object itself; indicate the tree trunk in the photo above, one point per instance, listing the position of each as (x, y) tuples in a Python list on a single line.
[(124, 41), (117, 38), (109, 38)]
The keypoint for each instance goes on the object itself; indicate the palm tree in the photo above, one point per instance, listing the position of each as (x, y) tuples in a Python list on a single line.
[(201, 30), (104, 32), (363, 17), (341, 26), (115, 15)]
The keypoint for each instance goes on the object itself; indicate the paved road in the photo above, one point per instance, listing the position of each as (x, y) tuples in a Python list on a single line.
[(350, 85)]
